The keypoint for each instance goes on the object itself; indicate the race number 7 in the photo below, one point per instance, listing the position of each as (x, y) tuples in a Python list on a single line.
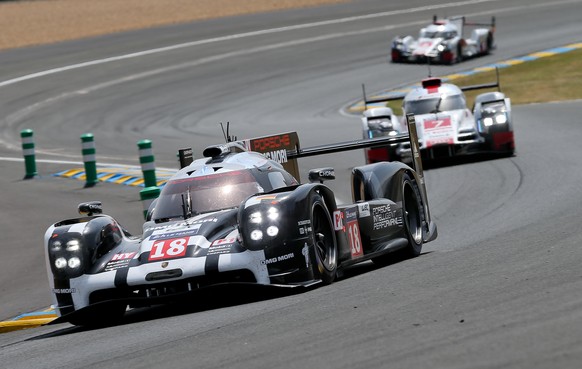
[(168, 249)]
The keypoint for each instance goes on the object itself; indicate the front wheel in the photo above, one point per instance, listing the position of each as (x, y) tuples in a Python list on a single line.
[(324, 243)]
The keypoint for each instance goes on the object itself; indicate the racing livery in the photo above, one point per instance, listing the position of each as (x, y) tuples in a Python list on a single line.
[(236, 216), (446, 126), (443, 41)]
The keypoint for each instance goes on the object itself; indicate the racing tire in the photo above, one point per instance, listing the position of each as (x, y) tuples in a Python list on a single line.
[(459, 57), (489, 43), (324, 243), (412, 214), (412, 217)]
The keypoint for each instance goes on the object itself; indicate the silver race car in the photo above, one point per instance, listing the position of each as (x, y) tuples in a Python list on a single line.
[(444, 41), (446, 126), (237, 218)]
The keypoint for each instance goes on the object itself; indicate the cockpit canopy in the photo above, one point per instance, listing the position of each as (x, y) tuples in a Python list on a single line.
[(434, 104), (186, 197), (446, 31)]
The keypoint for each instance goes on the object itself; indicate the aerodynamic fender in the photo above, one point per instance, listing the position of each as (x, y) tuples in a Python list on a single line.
[(384, 180), (72, 248), (279, 223)]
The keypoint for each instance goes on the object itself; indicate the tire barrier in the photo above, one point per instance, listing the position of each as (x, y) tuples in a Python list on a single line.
[(147, 196), (28, 153), (146, 159), (88, 150)]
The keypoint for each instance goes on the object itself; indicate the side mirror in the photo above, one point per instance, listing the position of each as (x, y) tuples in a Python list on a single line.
[(90, 208), (321, 174)]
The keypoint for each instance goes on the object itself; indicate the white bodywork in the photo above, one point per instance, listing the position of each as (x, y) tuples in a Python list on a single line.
[(443, 41)]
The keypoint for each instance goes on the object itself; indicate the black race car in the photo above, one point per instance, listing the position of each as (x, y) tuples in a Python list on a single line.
[(237, 216)]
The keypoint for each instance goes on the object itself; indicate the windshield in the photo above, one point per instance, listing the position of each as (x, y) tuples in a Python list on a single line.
[(203, 194), (434, 105), (379, 126), (437, 34)]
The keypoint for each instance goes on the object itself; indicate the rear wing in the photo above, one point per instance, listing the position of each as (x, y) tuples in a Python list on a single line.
[(485, 85), (276, 147), (460, 22), (495, 84), (378, 99), (284, 148)]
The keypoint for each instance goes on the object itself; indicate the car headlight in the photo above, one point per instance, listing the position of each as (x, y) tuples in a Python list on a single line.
[(441, 48), (73, 245), (56, 246), (60, 263), (74, 262), (66, 256), (273, 213), (501, 118), (256, 235), (256, 217), (272, 231)]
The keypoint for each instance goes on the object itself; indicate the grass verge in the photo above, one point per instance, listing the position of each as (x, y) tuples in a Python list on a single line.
[(552, 78)]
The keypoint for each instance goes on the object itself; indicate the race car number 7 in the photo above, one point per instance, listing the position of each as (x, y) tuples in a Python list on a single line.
[(169, 249)]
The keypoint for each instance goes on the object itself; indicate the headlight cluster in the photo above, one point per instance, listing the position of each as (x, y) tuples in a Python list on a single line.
[(66, 256), (264, 222), (381, 128), (498, 118)]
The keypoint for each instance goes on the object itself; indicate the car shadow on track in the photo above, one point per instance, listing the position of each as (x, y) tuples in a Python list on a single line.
[(221, 296), (460, 160)]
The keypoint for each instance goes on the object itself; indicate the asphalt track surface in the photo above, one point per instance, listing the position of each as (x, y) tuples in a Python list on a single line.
[(500, 287)]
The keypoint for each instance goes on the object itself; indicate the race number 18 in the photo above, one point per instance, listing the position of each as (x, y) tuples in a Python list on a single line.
[(355, 240), (169, 249)]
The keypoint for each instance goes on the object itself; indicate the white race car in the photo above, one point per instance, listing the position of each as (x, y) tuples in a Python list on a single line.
[(446, 126), (443, 41)]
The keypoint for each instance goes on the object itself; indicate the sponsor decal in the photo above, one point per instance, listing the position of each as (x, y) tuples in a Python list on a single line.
[(280, 156), (338, 220), (270, 143), (224, 241), (64, 290), (169, 249), (353, 230), (177, 234), (200, 221), (194, 223), (305, 252), (384, 216), (118, 261), (220, 249), (278, 259), (364, 209), (351, 214), (327, 173), (123, 256), (223, 246), (304, 226), (438, 131)]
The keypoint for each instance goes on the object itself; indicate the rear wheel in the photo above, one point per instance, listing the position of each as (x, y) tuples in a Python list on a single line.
[(324, 243), (412, 216), (489, 43)]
